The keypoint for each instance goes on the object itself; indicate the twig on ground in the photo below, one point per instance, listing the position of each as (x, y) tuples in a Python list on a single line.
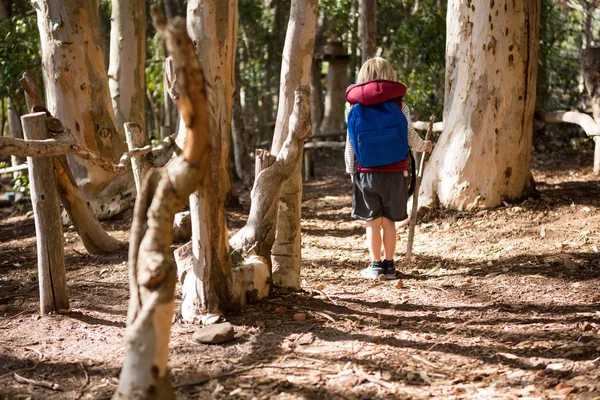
[(372, 379), (44, 384), (85, 383), (326, 295), (37, 362), (424, 361)]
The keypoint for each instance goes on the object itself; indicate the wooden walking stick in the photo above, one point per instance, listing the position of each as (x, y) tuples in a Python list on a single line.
[(415, 204)]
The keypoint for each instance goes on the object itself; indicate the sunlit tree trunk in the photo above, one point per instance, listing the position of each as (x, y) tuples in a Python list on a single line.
[(295, 71), (127, 57), (76, 84), (207, 289), (484, 153)]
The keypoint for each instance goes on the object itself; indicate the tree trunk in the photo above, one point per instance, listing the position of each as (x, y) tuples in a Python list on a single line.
[(241, 156), (213, 28), (258, 235), (152, 273), (334, 118), (295, 71), (16, 131), (590, 67), (94, 237), (367, 28), (127, 78), (76, 85), (49, 235), (491, 68)]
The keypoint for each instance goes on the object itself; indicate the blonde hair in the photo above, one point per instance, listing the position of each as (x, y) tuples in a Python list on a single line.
[(376, 68)]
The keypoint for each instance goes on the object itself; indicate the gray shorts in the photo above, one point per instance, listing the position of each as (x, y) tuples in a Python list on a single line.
[(379, 194)]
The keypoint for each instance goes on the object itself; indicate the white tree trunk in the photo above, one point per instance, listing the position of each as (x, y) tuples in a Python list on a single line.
[(208, 287), (152, 273), (295, 71), (127, 58), (484, 153), (76, 84)]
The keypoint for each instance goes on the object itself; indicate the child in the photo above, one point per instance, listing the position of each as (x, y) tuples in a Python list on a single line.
[(379, 195)]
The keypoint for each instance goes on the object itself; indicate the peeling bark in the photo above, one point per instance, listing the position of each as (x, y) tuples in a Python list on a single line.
[(295, 71), (76, 85), (491, 69), (126, 75), (152, 271), (208, 287)]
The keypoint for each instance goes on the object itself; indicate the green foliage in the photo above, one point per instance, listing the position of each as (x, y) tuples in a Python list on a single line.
[(559, 68), (20, 50), (21, 184), (154, 68), (414, 42)]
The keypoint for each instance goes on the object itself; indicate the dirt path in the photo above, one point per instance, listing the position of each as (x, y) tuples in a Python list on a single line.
[(502, 303)]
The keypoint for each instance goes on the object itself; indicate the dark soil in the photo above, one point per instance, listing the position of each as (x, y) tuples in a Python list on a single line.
[(501, 303)]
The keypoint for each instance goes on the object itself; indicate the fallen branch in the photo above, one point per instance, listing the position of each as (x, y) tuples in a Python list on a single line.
[(64, 143), (586, 122), (44, 384), (94, 237)]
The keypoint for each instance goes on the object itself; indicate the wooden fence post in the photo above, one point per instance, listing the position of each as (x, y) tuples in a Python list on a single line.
[(48, 228)]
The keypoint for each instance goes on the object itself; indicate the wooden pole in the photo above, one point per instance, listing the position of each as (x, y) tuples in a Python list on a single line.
[(135, 139), (415, 203), (48, 227)]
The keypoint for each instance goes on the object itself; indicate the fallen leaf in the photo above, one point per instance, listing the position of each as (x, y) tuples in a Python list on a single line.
[(299, 317), (399, 284), (280, 310), (320, 286)]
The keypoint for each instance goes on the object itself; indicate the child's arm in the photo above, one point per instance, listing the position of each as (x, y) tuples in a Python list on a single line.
[(349, 156), (414, 140)]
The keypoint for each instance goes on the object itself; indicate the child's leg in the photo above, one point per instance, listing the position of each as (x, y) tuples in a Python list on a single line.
[(374, 238), (389, 238)]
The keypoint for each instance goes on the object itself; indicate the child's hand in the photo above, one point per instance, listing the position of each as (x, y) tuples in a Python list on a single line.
[(429, 147)]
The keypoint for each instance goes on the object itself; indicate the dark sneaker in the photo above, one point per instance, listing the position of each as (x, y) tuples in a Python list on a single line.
[(389, 269), (373, 270)]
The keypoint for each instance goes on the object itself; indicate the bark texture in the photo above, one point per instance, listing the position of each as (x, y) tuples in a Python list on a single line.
[(239, 136), (76, 84), (94, 237), (48, 228), (16, 131), (208, 287), (152, 271), (295, 72), (590, 66), (126, 75), (491, 68), (258, 234), (367, 28)]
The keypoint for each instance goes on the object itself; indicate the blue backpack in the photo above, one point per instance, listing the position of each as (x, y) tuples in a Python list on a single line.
[(378, 133)]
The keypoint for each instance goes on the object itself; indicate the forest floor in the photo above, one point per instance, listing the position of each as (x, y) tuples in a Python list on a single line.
[(497, 304)]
